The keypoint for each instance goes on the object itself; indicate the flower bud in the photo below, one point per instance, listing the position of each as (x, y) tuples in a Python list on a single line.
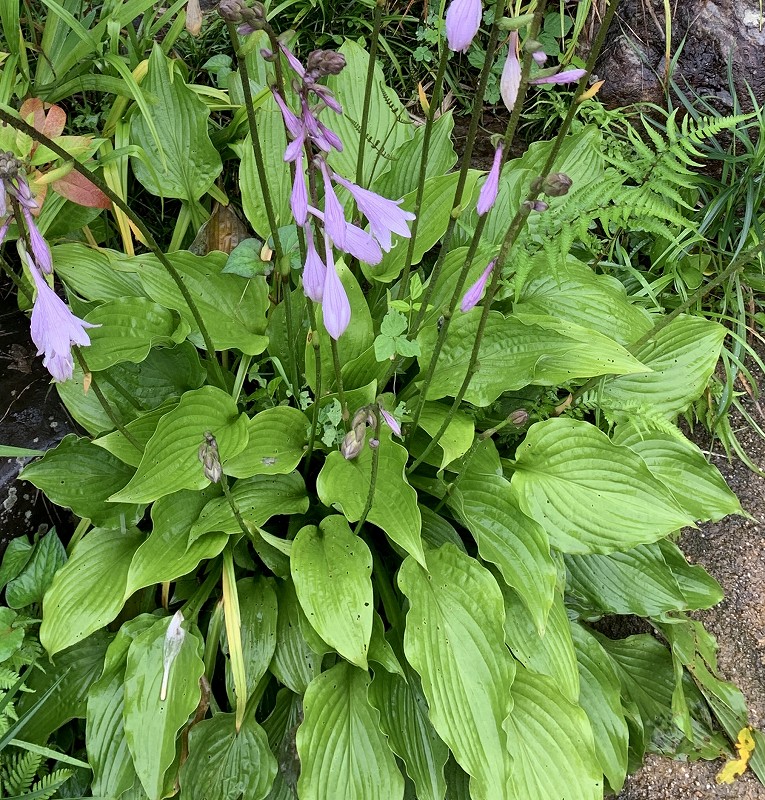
[(325, 62), (208, 455), (556, 184), (231, 10), (353, 444), (9, 165), (519, 417), (535, 205)]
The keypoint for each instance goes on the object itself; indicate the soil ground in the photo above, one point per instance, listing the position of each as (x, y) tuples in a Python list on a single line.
[(732, 550)]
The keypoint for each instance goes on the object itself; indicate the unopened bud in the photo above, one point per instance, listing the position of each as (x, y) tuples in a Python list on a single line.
[(353, 444), (535, 205), (360, 417), (557, 184), (374, 443), (208, 455), (231, 10), (519, 417), (266, 54), (9, 165), (325, 62)]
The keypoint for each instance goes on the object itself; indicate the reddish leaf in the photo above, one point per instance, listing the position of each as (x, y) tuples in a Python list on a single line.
[(55, 121), (80, 190), (33, 106)]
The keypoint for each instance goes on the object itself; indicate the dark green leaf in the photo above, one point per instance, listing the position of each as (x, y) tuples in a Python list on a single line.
[(33, 581)]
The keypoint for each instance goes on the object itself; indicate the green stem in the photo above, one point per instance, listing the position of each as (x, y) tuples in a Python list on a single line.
[(105, 404), (435, 101), (368, 91), (315, 345), (194, 604), (151, 242), (372, 480), (339, 382), (17, 282)]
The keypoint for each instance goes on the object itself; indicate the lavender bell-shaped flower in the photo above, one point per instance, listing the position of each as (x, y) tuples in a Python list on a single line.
[(334, 305), (488, 194), (475, 292), (299, 195), (55, 329), (385, 216), (40, 250), (510, 80), (390, 421), (314, 271), (291, 121), (334, 217), (567, 76), (463, 18), (358, 242)]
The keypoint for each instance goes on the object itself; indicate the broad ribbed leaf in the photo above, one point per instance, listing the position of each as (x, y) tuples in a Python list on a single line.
[(224, 764), (458, 436), (551, 742), (388, 121), (505, 536), (404, 720), (273, 142), (403, 170), (171, 458), (455, 640), (514, 353), (128, 328), (277, 438), (342, 750), (108, 755), (90, 272), (332, 572), (77, 475), (590, 495), (696, 484), (87, 593), (258, 499), (550, 653), (37, 574), (151, 723), (191, 163), (576, 293), (141, 429), (167, 554), (599, 696), (294, 664), (682, 356), (345, 485)]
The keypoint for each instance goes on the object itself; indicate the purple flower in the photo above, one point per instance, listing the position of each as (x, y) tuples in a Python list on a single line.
[(4, 229), (385, 216), (299, 196), (510, 81), (3, 200), (334, 304), (325, 94), (40, 250), (297, 67), (390, 421), (357, 241), (488, 193), (567, 76), (55, 329), (291, 121), (334, 217), (314, 271), (312, 127), (295, 148), (463, 18), (333, 139), (539, 57), (474, 293)]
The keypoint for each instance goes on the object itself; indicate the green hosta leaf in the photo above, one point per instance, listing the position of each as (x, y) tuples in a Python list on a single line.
[(90, 272), (590, 495), (455, 640), (82, 477), (437, 531), (575, 293), (388, 121), (108, 755), (11, 637), (15, 558), (332, 570), (79, 665), (167, 553), (165, 374), (682, 356), (380, 651), (404, 720), (515, 353), (637, 581), (273, 143), (226, 764), (550, 653), (437, 204), (342, 750), (294, 664), (233, 308), (700, 589), (456, 439), (277, 438), (345, 485), (141, 429), (358, 337), (87, 593), (258, 499), (696, 484), (258, 615), (505, 536), (403, 170), (129, 328), (599, 696), (551, 742), (191, 163), (33, 580), (152, 723), (171, 461)]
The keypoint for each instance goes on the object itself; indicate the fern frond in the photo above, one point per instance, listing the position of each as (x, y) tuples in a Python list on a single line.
[(21, 772), (46, 787)]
